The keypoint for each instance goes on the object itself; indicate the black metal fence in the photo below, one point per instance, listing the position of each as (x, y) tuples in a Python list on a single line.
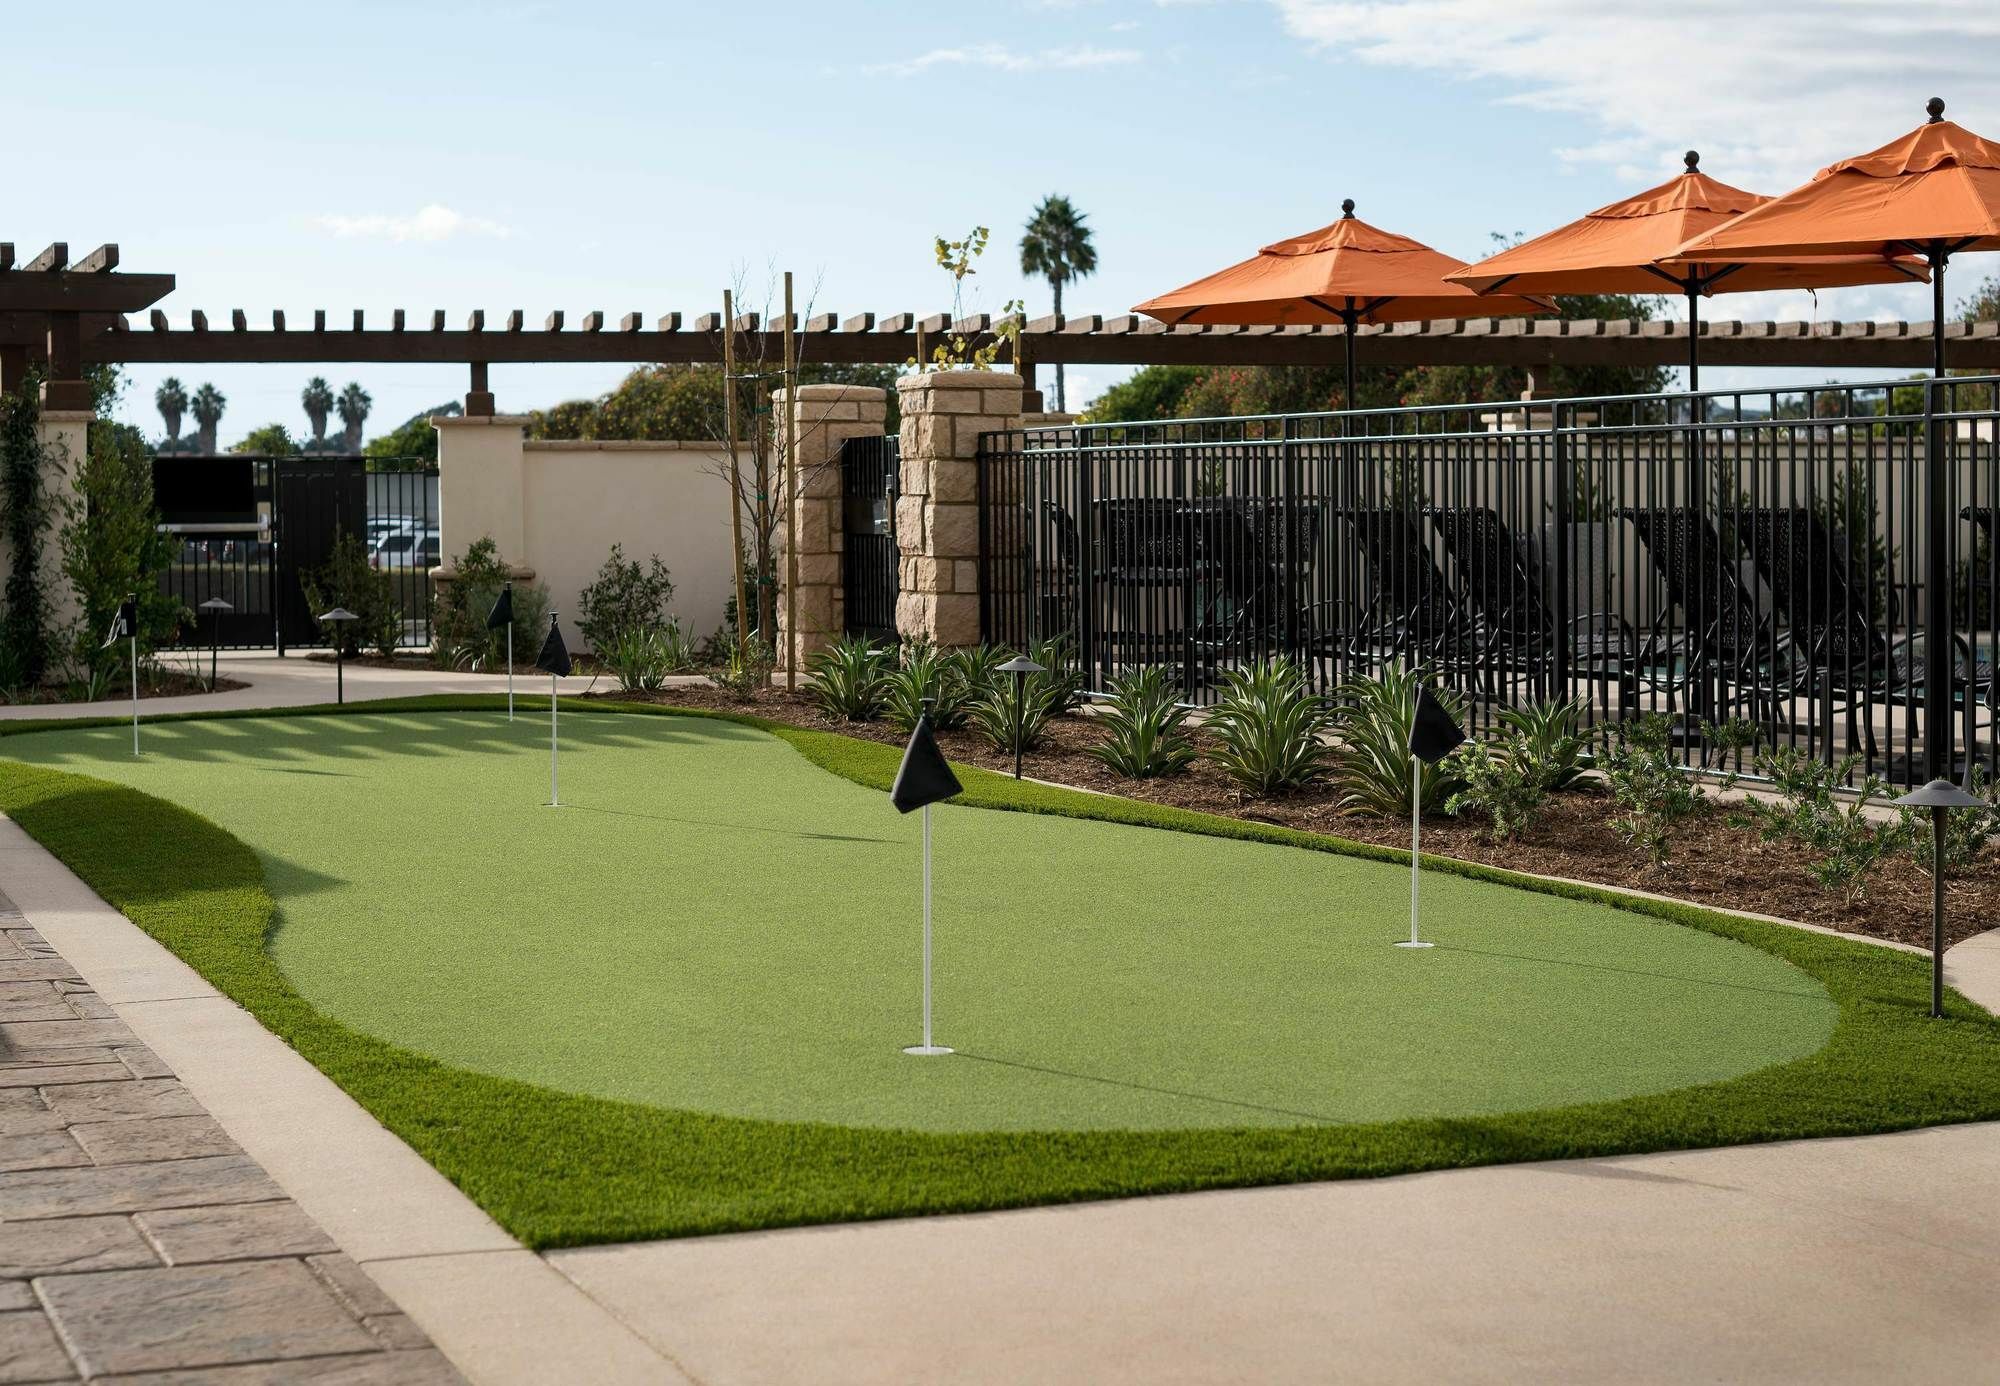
[(868, 472), (1768, 555), (301, 504)]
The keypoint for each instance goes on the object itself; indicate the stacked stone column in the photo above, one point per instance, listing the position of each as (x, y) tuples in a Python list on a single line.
[(937, 514), (822, 418)]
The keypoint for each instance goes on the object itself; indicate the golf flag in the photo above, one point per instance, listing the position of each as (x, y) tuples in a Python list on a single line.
[(554, 658), (124, 625), (1433, 733), (502, 614), (923, 778)]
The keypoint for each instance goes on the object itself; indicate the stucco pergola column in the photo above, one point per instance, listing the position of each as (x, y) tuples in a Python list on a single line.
[(65, 439), (822, 418), (481, 491), (937, 513)]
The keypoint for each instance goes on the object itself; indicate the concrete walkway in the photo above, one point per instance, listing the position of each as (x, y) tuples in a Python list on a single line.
[(1826, 1261)]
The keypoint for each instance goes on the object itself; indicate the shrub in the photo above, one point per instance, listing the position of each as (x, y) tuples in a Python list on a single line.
[(1015, 718), (1966, 831), (1536, 751), (642, 657), (743, 669), (849, 678), (625, 595), (1372, 759), (347, 580), (1844, 842), (1648, 784), (459, 622), (1146, 729), (1267, 729), (1064, 678), (111, 546), (952, 683)]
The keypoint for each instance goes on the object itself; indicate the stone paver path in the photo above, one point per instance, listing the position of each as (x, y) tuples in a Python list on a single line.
[(138, 1243)]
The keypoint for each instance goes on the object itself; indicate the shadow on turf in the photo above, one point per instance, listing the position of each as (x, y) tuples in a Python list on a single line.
[(1149, 1088), (733, 827), (1819, 995)]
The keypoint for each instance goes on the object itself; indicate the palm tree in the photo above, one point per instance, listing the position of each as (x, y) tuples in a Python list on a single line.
[(317, 397), (173, 402), (1056, 245), (354, 406), (207, 406)]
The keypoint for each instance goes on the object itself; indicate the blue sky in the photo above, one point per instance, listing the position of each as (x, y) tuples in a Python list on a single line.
[(642, 157)]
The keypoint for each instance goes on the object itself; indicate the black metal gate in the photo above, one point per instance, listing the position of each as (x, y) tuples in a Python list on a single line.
[(300, 508), (868, 470)]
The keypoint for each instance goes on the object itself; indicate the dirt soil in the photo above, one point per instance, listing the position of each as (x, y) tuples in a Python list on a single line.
[(1714, 862), (169, 684)]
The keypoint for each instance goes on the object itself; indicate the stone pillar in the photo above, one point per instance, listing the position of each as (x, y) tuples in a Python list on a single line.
[(823, 418), (481, 481), (65, 438), (937, 514)]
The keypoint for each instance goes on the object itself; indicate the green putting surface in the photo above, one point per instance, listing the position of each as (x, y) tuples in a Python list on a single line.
[(712, 923)]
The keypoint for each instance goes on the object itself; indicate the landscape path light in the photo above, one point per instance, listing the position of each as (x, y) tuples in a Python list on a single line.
[(1020, 666), (337, 618), (1940, 797), (214, 606)]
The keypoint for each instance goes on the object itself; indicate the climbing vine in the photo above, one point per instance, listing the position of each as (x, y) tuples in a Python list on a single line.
[(24, 515)]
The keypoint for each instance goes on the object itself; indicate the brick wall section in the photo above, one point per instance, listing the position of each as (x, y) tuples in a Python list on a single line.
[(825, 417), (937, 515)]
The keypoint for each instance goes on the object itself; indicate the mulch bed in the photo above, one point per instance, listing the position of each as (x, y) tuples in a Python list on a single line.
[(1714, 862), (169, 684)]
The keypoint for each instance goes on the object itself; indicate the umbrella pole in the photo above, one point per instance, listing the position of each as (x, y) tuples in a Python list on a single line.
[(1350, 317), (1937, 258), (1694, 336)]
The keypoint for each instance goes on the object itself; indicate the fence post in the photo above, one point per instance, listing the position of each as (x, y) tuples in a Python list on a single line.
[(1288, 484), (1565, 605), (938, 510), (821, 419)]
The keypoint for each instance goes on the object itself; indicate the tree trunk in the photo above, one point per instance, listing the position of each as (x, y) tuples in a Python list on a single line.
[(1057, 285)]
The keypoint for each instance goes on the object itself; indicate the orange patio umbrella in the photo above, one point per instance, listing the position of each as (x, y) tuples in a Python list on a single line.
[(1630, 247), (1350, 273), (1935, 192)]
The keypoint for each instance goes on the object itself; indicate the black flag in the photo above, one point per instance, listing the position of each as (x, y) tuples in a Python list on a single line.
[(923, 778), (502, 615), (554, 658), (1433, 733), (124, 625)]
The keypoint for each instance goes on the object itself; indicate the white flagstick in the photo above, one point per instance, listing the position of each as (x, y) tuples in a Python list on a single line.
[(927, 1047), (135, 691), (1416, 814), (555, 801), (510, 671)]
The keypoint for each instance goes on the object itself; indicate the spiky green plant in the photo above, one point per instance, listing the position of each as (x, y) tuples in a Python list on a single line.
[(928, 680), (1145, 728), (849, 678), (1268, 729), (1372, 759), (1014, 715)]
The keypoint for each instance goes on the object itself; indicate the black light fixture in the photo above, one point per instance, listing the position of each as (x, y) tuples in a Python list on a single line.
[(337, 618), (1020, 666), (215, 606), (1940, 797)]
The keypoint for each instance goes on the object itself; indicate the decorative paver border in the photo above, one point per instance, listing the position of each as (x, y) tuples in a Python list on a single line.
[(136, 1237)]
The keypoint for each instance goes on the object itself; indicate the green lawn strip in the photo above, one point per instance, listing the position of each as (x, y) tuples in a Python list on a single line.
[(558, 1169)]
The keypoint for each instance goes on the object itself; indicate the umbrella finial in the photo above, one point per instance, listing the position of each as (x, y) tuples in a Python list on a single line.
[(1936, 108), (1691, 158), (1347, 208)]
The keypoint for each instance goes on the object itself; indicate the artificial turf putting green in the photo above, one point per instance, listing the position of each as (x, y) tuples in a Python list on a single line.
[(713, 923), (562, 1168)]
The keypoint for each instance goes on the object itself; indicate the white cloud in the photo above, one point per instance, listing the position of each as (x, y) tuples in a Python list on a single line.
[(431, 223), (1000, 58), (1768, 94)]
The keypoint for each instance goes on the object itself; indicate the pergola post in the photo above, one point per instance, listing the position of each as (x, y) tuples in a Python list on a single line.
[(479, 398), (65, 390)]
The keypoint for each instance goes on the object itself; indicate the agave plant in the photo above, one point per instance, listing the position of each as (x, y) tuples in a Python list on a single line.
[(1268, 729), (640, 660), (1064, 676), (848, 679), (946, 685), (1146, 729), (1548, 737), (1372, 760), (1013, 716)]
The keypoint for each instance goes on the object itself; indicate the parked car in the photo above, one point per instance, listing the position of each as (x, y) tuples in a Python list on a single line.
[(408, 548)]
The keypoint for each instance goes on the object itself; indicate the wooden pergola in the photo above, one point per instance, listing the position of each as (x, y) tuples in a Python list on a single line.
[(71, 316)]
